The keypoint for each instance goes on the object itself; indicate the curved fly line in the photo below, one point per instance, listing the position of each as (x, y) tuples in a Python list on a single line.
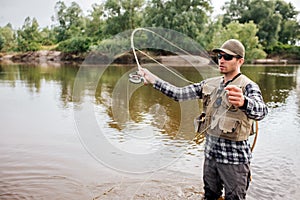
[(136, 78)]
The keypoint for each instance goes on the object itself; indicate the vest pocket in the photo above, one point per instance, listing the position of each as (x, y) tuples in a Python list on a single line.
[(229, 125), (207, 91), (199, 123)]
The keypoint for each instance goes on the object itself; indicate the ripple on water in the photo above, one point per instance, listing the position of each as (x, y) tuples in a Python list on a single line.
[(27, 174), (33, 183), (273, 179)]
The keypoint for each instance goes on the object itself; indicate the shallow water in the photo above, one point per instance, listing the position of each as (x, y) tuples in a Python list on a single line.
[(116, 140)]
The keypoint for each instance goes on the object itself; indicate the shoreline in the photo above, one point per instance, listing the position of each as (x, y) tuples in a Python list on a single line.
[(57, 58)]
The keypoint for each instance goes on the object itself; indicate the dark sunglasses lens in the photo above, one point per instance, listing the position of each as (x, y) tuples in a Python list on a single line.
[(225, 56)]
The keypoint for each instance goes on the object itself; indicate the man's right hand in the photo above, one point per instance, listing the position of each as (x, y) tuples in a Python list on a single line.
[(148, 76)]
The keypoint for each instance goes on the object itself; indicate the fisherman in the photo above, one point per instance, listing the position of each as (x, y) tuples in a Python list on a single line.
[(230, 104)]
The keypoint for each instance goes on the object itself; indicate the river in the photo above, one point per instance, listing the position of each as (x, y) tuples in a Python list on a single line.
[(117, 140)]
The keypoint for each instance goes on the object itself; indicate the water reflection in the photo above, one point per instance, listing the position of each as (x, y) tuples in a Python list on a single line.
[(32, 77), (44, 95), (139, 103), (275, 81)]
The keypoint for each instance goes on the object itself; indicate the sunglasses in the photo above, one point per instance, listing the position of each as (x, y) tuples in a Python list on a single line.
[(226, 56)]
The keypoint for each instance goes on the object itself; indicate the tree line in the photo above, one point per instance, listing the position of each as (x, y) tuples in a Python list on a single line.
[(264, 27)]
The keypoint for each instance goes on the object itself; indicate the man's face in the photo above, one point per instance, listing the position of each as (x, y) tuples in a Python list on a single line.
[(229, 64)]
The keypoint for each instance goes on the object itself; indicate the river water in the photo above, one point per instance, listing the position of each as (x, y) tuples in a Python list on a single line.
[(117, 140)]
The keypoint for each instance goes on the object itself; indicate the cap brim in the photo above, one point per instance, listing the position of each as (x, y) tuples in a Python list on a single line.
[(224, 50)]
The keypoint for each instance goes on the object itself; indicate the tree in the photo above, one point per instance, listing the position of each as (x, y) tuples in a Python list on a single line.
[(272, 18), (246, 33), (205, 38), (261, 13), (122, 15), (70, 21), (290, 32), (290, 28), (95, 23), (74, 45), (287, 10), (2, 42), (186, 16), (235, 10), (269, 30), (8, 38), (47, 36), (29, 36)]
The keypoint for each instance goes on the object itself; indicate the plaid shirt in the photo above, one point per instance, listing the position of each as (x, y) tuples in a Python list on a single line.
[(223, 150)]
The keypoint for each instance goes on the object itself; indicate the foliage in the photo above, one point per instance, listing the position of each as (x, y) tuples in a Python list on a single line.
[(75, 45), (276, 19), (260, 25), (70, 21), (206, 38), (290, 32), (8, 38), (121, 15), (2, 42), (285, 51), (29, 36), (188, 17), (246, 33), (95, 23), (47, 36)]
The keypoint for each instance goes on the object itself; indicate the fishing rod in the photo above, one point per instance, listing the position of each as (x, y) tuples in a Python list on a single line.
[(136, 78)]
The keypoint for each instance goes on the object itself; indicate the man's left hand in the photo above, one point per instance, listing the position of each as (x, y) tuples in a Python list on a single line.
[(235, 95)]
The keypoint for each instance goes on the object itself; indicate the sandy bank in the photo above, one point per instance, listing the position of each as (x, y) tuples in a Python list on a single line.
[(55, 57)]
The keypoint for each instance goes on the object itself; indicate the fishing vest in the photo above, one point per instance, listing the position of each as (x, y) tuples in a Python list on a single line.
[(220, 118)]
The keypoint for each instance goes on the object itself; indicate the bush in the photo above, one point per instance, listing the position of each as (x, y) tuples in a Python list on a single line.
[(284, 51), (2, 42), (75, 45), (24, 45)]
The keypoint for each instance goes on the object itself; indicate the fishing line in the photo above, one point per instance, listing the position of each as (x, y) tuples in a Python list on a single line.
[(153, 59), (136, 78)]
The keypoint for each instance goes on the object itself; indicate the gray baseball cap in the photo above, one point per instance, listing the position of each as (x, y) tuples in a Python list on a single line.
[(232, 47)]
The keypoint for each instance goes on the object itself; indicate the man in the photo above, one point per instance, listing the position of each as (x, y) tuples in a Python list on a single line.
[(230, 103)]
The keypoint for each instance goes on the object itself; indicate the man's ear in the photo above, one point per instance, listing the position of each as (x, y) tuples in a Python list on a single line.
[(241, 61)]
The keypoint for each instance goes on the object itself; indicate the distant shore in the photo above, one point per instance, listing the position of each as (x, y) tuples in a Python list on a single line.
[(46, 56), (41, 57), (58, 58)]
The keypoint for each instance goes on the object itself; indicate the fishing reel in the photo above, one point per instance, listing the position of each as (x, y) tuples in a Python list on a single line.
[(135, 78)]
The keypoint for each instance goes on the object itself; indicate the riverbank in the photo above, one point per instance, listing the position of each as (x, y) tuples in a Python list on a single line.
[(127, 58), (57, 58), (42, 57)]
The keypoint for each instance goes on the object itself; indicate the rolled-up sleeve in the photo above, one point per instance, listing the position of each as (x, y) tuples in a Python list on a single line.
[(189, 92)]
